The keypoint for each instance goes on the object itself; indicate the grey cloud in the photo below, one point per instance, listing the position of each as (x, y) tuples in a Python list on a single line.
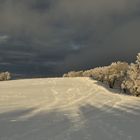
[(62, 35)]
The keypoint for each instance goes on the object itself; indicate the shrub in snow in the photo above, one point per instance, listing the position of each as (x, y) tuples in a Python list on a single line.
[(96, 73), (107, 74), (112, 74), (74, 74), (131, 84), (116, 72), (5, 76)]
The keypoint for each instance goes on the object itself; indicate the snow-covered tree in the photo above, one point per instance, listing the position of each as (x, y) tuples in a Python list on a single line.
[(131, 84), (5, 76), (116, 73), (96, 73), (74, 74)]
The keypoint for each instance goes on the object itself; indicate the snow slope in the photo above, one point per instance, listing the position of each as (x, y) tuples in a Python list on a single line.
[(66, 109)]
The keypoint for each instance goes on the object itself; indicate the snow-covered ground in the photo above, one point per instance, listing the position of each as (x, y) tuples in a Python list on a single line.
[(66, 109)]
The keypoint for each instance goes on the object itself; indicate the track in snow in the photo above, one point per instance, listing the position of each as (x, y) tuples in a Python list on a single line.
[(66, 109)]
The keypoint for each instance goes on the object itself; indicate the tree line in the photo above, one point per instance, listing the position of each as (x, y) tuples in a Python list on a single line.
[(120, 74)]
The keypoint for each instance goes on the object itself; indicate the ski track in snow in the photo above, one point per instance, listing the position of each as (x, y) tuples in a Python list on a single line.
[(66, 109)]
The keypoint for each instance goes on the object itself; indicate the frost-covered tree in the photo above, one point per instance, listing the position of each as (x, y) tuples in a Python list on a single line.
[(96, 73), (111, 74), (138, 60), (119, 74), (116, 73), (107, 74), (5, 76), (74, 74), (131, 84)]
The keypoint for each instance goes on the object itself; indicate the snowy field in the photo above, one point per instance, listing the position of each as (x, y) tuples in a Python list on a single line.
[(66, 109)]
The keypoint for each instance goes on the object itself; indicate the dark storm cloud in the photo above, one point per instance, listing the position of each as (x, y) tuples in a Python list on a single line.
[(53, 36)]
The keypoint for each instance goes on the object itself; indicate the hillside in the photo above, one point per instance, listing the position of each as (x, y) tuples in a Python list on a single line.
[(66, 109)]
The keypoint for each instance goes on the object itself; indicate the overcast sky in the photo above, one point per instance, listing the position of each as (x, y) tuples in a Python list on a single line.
[(49, 37)]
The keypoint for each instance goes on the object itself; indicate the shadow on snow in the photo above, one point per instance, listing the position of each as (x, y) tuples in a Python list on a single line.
[(92, 123)]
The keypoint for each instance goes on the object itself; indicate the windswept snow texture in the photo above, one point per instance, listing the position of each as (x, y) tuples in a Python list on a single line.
[(66, 109)]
